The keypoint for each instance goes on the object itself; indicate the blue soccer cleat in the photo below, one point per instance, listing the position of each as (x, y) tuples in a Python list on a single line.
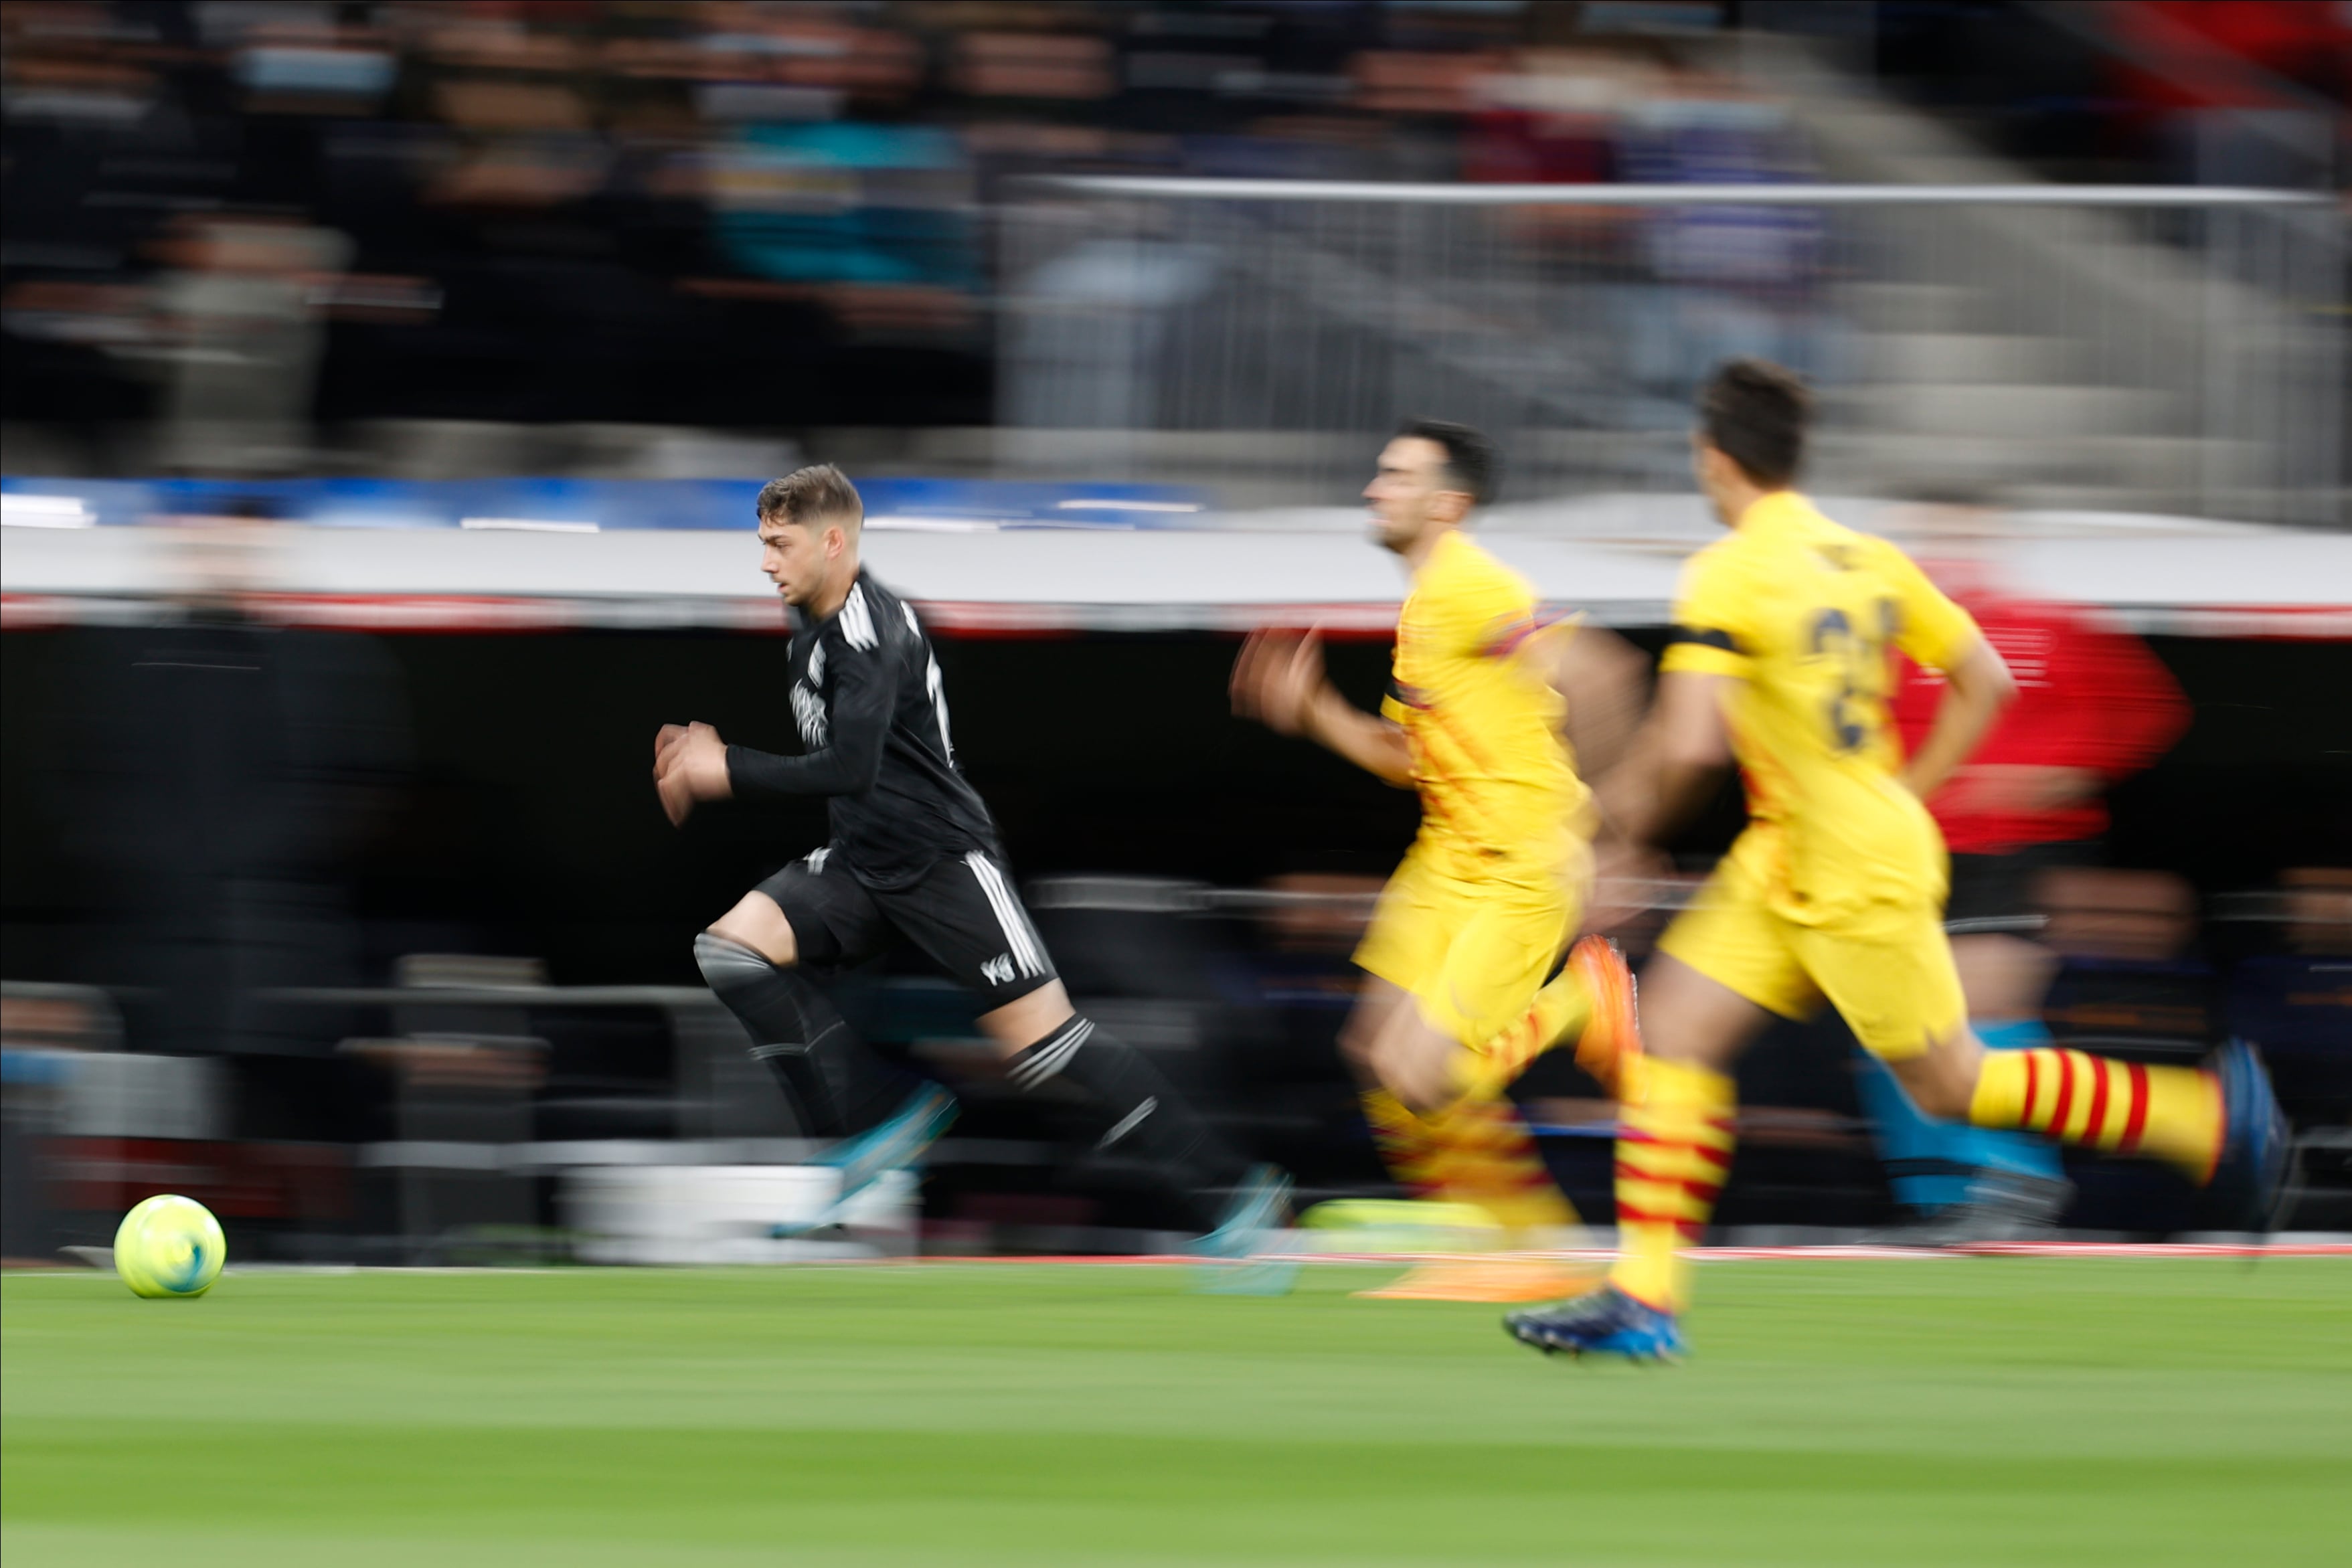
[(1606, 1322), (889, 1146), (1233, 1254), (2248, 1182)]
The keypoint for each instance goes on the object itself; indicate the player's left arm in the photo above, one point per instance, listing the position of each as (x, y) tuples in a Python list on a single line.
[(1677, 760), (1978, 686), (692, 763), (864, 693), (1604, 682)]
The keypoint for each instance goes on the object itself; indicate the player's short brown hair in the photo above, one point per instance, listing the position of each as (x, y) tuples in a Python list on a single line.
[(1755, 413), (1472, 462), (819, 493)]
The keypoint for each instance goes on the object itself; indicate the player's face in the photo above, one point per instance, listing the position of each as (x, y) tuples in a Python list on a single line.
[(794, 557), (1405, 491)]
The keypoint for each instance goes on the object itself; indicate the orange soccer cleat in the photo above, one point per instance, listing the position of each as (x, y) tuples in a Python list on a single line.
[(1612, 1035), (1501, 1279)]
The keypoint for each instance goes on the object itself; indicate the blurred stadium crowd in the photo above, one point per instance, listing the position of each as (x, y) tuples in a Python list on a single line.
[(696, 215), (779, 215)]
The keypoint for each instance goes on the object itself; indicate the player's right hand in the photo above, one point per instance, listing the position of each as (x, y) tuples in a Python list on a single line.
[(1277, 677), (669, 783), (689, 765), (676, 795)]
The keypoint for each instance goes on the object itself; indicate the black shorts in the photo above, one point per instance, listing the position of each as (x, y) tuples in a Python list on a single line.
[(1996, 894), (962, 915)]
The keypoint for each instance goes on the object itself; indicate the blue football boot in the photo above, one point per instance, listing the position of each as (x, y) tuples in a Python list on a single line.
[(1606, 1322), (891, 1144), (1232, 1255), (2249, 1184)]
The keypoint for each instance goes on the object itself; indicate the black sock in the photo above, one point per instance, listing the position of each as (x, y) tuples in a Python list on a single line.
[(1131, 1108), (835, 1081)]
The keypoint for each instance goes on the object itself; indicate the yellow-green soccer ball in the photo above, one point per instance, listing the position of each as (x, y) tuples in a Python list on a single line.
[(169, 1246)]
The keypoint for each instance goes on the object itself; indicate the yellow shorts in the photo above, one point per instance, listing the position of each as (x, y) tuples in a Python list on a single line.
[(1472, 953), (1887, 968)]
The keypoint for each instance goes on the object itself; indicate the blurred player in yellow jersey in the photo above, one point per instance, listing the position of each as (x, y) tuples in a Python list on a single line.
[(1780, 661), (1489, 896)]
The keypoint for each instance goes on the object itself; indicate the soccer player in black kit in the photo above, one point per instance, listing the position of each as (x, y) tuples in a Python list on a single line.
[(914, 859)]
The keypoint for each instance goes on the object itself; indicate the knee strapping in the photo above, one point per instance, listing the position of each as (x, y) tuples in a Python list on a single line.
[(727, 964), (838, 1083)]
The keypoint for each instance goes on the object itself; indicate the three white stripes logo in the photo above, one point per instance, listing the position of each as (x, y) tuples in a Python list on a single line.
[(856, 623), (1018, 937), (1047, 1060)]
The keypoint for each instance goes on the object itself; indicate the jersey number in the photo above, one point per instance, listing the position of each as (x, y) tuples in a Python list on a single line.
[(1862, 671)]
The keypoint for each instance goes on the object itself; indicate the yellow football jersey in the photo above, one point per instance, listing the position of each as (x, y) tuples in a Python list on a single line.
[(1499, 794), (1804, 613)]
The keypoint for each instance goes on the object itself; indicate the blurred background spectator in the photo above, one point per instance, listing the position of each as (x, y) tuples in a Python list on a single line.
[(215, 779), (745, 214)]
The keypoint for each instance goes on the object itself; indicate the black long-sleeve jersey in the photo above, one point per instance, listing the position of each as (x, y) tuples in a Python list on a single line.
[(872, 719)]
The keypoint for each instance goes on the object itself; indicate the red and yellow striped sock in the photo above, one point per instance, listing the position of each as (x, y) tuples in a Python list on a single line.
[(1671, 1157), (2172, 1113), (1402, 1138), (1477, 1151)]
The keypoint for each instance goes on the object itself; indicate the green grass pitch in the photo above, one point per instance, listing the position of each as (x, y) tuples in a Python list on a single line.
[(1949, 1411)]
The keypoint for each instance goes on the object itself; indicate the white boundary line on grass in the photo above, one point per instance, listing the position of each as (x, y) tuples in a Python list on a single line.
[(2128, 1249)]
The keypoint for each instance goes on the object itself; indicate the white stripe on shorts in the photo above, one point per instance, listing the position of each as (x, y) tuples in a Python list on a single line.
[(1019, 939)]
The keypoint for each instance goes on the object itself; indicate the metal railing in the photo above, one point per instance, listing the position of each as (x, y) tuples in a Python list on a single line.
[(2114, 347)]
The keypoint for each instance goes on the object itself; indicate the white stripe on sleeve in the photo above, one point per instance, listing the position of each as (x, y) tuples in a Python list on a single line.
[(857, 621)]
